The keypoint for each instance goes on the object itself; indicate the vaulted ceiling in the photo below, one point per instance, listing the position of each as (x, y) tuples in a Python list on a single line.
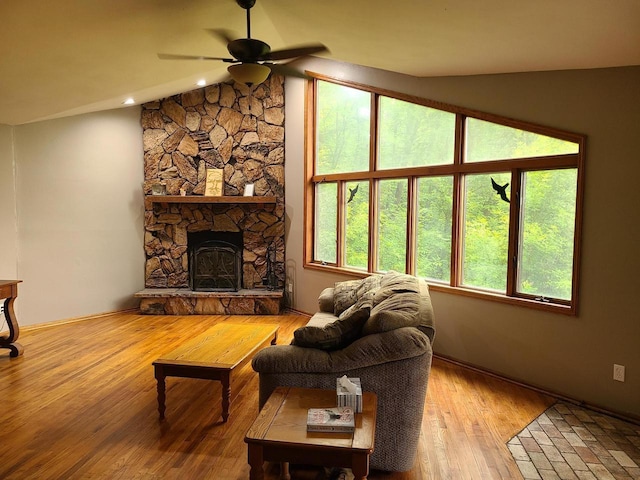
[(64, 57)]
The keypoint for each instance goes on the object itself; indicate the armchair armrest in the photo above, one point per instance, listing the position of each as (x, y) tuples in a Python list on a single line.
[(325, 300), (371, 350)]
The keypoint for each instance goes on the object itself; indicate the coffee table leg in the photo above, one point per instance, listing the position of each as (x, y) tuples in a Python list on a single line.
[(284, 471), (360, 466), (159, 373), (226, 395), (256, 460)]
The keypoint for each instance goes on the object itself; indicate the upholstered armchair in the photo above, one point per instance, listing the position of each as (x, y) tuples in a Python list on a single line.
[(388, 347)]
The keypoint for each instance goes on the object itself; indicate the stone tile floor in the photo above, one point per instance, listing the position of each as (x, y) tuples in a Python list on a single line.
[(570, 442)]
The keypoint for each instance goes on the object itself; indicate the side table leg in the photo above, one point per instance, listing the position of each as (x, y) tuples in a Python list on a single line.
[(226, 395), (284, 471), (15, 349), (360, 466), (14, 330), (159, 374), (256, 460)]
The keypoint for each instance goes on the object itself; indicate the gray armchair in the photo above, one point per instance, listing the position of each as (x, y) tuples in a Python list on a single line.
[(392, 361)]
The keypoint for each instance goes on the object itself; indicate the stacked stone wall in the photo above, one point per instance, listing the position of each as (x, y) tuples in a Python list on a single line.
[(225, 126)]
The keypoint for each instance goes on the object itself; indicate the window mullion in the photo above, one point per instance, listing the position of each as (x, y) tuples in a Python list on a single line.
[(514, 233), (458, 149), (373, 129), (373, 184), (457, 213), (456, 231), (373, 225), (412, 222), (340, 224)]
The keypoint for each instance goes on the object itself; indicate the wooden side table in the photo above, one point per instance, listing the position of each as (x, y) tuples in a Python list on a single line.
[(279, 434), (9, 290)]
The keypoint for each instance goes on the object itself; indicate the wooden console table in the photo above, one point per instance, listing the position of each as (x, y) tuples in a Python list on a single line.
[(9, 290)]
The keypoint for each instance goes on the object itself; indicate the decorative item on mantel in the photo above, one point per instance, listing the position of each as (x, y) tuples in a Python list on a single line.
[(214, 182), (158, 188)]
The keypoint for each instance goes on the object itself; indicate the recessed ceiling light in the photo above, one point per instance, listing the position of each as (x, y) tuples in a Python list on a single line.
[(201, 83), (129, 101)]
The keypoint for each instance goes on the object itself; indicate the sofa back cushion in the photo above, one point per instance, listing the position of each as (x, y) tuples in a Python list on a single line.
[(401, 301), (347, 293), (339, 333)]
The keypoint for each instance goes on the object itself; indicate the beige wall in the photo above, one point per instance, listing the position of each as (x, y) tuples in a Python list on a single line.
[(80, 215), (8, 226), (573, 356)]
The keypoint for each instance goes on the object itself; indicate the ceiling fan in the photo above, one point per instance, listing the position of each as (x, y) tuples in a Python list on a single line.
[(252, 59)]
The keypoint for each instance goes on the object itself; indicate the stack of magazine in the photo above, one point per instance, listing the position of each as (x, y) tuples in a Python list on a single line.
[(331, 419)]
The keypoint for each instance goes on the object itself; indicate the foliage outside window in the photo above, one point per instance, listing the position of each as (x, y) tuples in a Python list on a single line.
[(475, 203)]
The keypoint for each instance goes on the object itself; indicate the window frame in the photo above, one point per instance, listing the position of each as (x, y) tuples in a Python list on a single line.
[(457, 170)]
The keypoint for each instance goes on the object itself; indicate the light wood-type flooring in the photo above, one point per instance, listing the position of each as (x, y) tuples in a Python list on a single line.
[(81, 404)]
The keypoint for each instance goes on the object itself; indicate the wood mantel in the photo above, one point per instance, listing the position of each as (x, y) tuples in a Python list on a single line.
[(200, 199)]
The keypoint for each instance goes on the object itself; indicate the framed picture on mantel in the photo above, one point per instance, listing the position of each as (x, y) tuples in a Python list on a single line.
[(248, 190), (214, 182)]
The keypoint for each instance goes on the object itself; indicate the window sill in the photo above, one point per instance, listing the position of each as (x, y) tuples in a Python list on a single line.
[(482, 295)]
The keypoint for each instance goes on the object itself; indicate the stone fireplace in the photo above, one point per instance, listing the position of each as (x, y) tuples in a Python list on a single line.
[(241, 132)]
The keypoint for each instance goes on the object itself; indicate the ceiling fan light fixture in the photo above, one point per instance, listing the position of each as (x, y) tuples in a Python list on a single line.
[(249, 73)]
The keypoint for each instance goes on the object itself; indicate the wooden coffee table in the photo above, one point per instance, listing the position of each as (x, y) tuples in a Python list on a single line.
[(213, 355), (279, 434)]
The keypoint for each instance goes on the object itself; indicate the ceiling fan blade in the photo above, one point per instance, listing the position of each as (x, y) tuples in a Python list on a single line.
[(171, 56), (227, 36), (294, 52), (286, 70)]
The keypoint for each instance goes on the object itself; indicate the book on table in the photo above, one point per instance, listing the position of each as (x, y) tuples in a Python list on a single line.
[(331, 419)]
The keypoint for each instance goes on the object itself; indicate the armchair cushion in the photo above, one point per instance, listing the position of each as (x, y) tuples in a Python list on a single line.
[(365, 352), (395, 311), (347, 293), (339, 333), (325, 300)]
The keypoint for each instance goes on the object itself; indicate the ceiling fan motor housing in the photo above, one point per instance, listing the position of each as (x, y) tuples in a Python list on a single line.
[(246, 4), (248, 50)]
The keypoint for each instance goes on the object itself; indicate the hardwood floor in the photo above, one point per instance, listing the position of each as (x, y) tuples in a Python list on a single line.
[(81, 404)]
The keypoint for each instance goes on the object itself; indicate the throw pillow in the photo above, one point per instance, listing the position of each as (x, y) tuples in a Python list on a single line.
[(346, 294), (337, 334), (393, 311)]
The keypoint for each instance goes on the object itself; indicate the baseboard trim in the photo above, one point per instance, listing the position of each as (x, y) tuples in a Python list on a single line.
[(581, 403), (297, 312), (65, 321)]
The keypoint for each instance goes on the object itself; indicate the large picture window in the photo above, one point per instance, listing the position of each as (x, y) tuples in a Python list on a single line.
[(474, 203)]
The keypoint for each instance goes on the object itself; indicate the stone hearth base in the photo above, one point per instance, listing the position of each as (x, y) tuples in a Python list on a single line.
[(182, 301)]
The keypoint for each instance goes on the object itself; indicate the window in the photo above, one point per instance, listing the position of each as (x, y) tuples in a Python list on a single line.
[(475, 203)]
